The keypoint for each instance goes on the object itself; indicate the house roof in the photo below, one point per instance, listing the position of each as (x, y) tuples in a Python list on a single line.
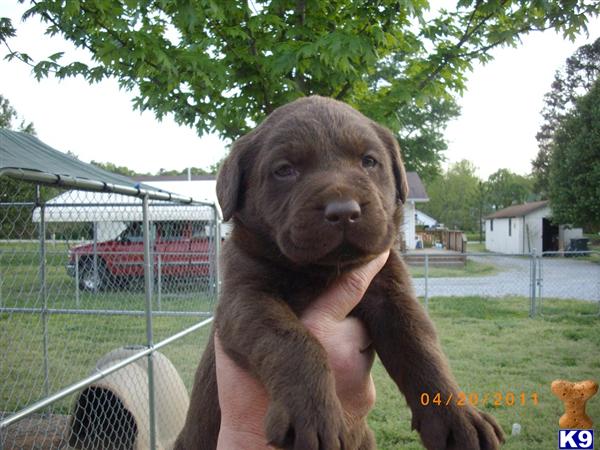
[(518, 210), (416, 189)]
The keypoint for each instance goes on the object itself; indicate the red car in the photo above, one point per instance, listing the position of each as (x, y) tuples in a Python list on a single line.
[(179, 248)]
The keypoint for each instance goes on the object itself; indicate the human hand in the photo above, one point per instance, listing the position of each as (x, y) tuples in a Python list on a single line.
[(244, 401)]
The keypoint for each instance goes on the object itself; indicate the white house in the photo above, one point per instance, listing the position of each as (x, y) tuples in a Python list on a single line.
[(416, 194), (203, 188), (521, 229), (425, 219)]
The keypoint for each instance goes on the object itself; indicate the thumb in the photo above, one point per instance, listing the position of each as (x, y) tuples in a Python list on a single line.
[(346, 292)]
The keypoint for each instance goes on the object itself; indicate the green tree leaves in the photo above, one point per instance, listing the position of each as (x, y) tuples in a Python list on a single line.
[(222, 66), (581, 70), (505, 188), (574, 176), (455, 197), (567, 167), (8, 117)]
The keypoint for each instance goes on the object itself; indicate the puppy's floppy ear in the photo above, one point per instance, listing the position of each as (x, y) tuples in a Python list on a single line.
[(391, 144), (230, 181)]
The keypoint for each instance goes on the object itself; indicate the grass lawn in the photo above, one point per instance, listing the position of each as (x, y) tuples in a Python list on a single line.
[(76, 342), (470, 269), (476, 247), (493, 347)]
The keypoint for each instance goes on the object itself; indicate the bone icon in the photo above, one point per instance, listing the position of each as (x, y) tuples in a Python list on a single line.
[(574, 397)]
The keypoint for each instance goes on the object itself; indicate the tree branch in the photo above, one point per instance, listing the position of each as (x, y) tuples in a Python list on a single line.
[(464, 38)]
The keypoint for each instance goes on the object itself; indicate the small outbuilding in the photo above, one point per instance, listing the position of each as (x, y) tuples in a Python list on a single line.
[(522, 229)]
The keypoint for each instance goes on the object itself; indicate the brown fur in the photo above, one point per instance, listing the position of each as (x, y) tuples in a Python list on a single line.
[(282, 254)]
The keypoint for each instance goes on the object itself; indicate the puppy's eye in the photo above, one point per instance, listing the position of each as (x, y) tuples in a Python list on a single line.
[(369, 162), (285, 171)]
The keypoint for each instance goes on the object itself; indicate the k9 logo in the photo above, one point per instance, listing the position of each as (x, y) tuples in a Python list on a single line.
[(575, 439)]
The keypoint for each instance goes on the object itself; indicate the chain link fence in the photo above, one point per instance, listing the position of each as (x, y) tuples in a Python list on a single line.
[(572, 275), (552, 283), (104, 298)]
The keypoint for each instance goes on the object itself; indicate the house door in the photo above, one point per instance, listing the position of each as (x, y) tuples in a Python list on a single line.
[(549, 236)]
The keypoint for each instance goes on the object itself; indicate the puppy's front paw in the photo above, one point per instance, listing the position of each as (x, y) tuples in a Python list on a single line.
[(457, 428), (307, 425)]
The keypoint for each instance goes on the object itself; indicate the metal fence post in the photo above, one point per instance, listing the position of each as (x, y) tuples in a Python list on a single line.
[(159, 282), (43, 288), (77, 280), (540, 282), (533, 279), (426, 282), (1, 283), (217, 251), (148, 275), (95, 263)]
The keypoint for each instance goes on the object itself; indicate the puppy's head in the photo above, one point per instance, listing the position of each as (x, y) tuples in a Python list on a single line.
[(319, 180)]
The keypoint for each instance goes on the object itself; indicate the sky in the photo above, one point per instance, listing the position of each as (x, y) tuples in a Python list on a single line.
[(497, 127)]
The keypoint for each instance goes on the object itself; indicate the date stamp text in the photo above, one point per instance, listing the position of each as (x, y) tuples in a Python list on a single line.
[(495, 399)]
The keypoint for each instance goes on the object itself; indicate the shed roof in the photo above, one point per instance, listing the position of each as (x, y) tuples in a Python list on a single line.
[(174, 177), (86, 206), (518, 210)]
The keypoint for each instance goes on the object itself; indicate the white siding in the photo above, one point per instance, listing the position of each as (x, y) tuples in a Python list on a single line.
[(424, 219), (408, 227), (566, 234), (499, 240), (527, 233), (532, 239)]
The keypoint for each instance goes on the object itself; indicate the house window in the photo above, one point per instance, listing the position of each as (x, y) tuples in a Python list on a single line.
[(492, 225), (510, 226)]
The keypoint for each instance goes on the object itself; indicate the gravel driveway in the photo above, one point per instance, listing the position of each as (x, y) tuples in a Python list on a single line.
[(566, 278)]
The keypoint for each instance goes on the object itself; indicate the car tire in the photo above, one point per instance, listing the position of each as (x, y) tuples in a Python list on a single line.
[(90, 281)]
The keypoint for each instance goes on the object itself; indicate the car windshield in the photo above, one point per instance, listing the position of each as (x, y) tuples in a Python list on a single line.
[(172, 231), (200, 229), (133, 233), (168, 231)]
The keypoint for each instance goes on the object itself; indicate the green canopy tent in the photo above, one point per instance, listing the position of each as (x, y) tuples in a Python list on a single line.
[(25, 157)]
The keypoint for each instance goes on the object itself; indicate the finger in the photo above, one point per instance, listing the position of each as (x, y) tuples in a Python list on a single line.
[(346, 292)]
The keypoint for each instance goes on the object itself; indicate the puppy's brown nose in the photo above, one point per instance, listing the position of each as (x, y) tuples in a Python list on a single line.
[(342, 212)]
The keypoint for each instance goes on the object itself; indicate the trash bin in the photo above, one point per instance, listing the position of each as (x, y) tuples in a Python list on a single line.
[(576, 246)]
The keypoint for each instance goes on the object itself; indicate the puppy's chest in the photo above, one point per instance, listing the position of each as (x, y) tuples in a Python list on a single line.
[(299, 292)]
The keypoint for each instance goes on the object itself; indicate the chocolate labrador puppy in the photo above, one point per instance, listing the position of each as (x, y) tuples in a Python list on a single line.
[(313, 191)]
